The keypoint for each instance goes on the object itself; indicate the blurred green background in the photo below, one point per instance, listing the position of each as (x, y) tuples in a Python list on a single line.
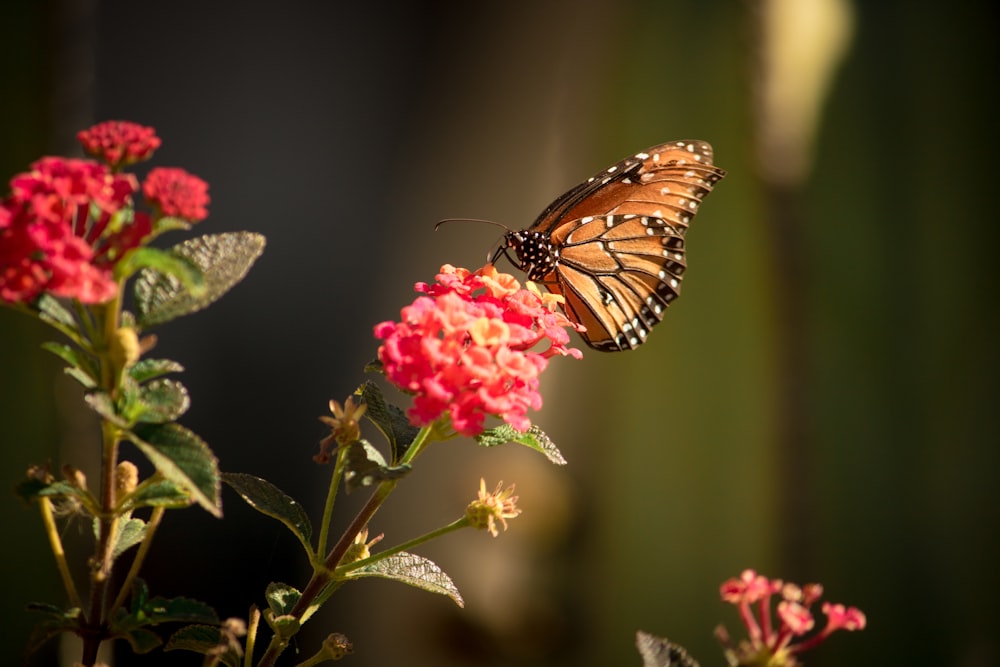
[(821, 405)]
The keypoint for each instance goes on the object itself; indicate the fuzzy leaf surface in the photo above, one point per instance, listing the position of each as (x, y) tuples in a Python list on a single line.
[(223, 260), (268, 499), (184, 459), (388, 418), (412, 570), (366, 466), (534, 438), (201, 639)]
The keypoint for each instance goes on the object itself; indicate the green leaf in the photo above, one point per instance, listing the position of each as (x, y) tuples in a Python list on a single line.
[(184, 459), (535, 438), (224, 259), (659, 652), (147, 369), (56, 621), (389, 419), (130, 533), (412, 570), (375, 366), (101, 403), (163, 493), (145, 611), (281, 598), (141, 640), (162, 401), (366, 466), (203, 639), (32, 488), (182, 270), (87, 371), (51, 310), (268, 499), (168, 223)]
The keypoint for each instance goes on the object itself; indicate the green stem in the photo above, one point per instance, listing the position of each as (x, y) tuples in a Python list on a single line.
[(140, 556), (57, 550), (331, 498), (405, 546)]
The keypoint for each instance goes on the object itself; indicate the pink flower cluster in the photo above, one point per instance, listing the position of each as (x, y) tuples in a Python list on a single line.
[(464, 348), (794, 617), (67, 222)]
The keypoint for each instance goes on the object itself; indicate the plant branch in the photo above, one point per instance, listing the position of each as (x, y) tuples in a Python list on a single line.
[(51, 530)]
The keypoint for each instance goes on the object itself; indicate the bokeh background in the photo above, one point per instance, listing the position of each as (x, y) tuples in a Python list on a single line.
[(820, 405)]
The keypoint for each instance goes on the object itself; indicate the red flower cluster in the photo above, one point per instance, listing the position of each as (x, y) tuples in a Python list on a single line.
[(177, 193), (464, 348), (67, 222), (119, 142), (793, 613), (49, 226)]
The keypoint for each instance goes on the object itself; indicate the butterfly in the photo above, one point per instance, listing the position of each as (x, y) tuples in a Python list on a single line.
[(613, 246)]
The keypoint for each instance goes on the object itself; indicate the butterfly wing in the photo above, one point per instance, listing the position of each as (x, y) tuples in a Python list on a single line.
[(618, 240)]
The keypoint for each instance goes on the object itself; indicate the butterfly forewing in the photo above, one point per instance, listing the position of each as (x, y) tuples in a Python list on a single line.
[(614, 245)]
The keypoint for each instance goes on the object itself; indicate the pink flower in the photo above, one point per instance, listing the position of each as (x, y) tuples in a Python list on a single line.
[(177, 193), (465, 349), (774, 645), (119, 142)]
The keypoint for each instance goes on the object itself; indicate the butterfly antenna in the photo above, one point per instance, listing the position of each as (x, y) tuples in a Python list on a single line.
[(487, 222)]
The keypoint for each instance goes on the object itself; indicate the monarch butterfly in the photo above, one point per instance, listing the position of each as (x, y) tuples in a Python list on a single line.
[(613, 246)]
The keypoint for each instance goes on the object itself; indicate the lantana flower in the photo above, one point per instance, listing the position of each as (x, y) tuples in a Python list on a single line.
[(770, 645), (119, 142), (177, 193), (466, 349), (68, 222)]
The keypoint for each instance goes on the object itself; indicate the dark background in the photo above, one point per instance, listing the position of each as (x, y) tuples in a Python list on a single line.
[(821, 404)]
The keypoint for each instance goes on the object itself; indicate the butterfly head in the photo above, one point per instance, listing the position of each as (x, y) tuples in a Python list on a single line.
[(536, 255)]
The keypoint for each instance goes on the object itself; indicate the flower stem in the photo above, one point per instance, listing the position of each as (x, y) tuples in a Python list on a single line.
[(331, 498), (252, 627), (426, 537), (57, 550)]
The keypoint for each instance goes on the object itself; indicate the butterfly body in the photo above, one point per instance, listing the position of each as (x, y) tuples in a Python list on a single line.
[(613, 246)]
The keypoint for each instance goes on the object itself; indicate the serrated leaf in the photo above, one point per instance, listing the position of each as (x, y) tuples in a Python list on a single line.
[(80, 376), (203, 639), (184, 459), (224, 259), (163, 493), (162, 401), (145, 611), (51, 310), (32, 488), (57, 621), (102, 403), (76, 359), (130, 533), (534, 438), (375, 366), (412, 570), (366, 466), (142, 640), (281, 598), (659, 652), (388, 418), (147, 369), (268, 499)]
